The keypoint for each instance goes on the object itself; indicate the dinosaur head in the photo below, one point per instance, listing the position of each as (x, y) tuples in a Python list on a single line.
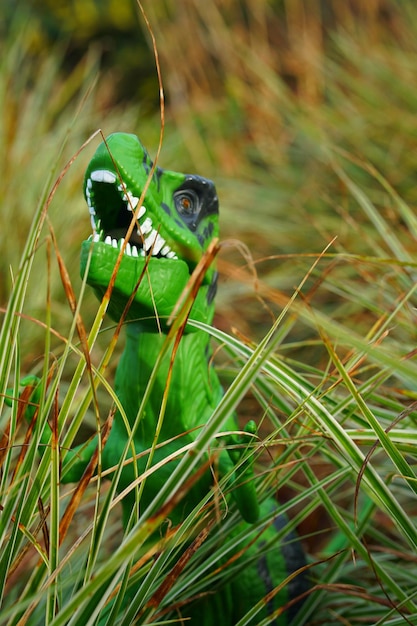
[(175, 223)]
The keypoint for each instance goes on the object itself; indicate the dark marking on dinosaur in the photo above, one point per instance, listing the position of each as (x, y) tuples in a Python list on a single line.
[(265, 575), (212, 290), (206, 234), (166, 208), (145, 164), (294, 558), (157, 178)]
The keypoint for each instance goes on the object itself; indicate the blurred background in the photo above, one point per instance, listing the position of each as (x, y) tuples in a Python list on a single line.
[(275, 100)]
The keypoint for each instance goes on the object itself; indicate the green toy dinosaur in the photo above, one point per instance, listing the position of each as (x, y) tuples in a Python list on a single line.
[(174, 224)]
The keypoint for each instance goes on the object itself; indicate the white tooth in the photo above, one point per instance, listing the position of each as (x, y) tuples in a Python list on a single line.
[(149, 241), (142, 252), (108, 240), (89, 185), (121, 242), (142, 212), (134, 251), (132, 200), (114, 243), (146, 227), (93, 222), (128, 249), (109, 177), (96, 237), (91, 210), (165, 250), (157, 246), (103, 176), (171, 255)]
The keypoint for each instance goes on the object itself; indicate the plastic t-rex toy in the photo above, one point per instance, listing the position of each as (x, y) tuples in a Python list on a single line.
[(175, 222)]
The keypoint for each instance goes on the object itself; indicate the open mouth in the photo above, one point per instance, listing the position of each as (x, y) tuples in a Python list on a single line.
[(111, 206)]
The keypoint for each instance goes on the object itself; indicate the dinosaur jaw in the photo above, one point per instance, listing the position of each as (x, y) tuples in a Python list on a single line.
[(157, 285)]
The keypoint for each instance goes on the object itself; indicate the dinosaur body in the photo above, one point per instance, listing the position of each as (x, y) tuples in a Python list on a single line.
[(174, 224)]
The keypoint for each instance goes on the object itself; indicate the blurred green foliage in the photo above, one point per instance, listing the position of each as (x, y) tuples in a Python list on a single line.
[(112, 27)]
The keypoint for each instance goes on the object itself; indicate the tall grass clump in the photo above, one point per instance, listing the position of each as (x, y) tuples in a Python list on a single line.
[(337, 443), (312, 144)]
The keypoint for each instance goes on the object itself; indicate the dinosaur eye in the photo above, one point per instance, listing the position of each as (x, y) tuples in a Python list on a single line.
[(187, 202)]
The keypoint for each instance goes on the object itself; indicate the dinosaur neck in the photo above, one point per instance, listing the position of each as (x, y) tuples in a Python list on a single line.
[(194, 387)]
